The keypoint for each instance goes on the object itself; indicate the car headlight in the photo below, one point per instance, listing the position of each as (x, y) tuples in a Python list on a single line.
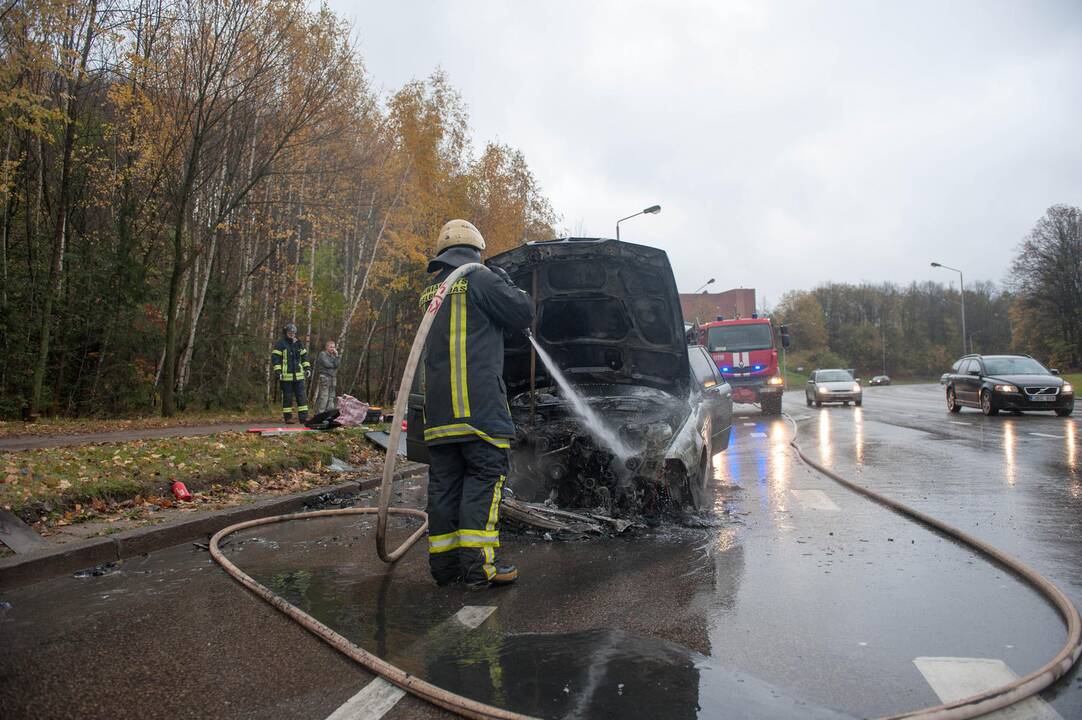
[(776, 380), (1006, 388), (1067, 388), (820, 390), (856, 387)]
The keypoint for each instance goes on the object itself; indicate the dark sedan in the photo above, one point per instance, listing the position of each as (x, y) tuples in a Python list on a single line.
[(1006, 382)]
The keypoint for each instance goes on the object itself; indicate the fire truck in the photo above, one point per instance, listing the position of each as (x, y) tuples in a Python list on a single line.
[(747, 358)]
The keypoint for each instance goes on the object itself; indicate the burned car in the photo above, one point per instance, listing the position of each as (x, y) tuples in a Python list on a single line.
[(616, 411)]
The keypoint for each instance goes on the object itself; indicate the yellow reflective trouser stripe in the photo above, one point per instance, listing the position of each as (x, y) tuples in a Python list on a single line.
[(494, 508), (460, 393), (489, 566), (461, 430), (463, 538)]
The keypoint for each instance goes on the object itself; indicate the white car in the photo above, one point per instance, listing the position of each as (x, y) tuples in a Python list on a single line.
[(832, 386)]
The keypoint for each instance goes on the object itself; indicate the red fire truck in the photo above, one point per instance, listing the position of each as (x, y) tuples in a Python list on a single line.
[(747, 358)]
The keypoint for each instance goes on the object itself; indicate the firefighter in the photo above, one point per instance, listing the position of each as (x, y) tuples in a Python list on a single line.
[(291, 367), (467, 421)]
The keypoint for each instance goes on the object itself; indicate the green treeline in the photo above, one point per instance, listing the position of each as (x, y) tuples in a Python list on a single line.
[(180, 179), (916, 331)]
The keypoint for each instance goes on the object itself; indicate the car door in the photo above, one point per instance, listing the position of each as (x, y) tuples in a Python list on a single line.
[(723, 415), (706, 380), (968, 382)]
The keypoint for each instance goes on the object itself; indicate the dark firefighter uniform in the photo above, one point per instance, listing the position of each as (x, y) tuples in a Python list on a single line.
[(467, 421), (291, 367)]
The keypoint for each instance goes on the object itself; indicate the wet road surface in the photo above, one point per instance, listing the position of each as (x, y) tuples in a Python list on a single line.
[(800, 598)]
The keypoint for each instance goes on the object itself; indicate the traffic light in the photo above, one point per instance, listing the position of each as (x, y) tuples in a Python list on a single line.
[(784, 330)]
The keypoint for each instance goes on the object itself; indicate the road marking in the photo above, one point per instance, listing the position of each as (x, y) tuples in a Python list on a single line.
[(1056, 437), (956, 678), (373, 702), (959, 422), (758, 434), (815, 500), (748, 424), (378, 697), (473, 615)]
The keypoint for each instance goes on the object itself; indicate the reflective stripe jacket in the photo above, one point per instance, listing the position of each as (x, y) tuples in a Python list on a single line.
[(465, 396), (290, 359)]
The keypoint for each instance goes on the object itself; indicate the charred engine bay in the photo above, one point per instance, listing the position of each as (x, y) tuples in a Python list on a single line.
[(557, 459)]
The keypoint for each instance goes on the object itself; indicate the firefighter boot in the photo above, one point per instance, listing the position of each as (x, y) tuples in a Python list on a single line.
[(482, 570), (287, 418)]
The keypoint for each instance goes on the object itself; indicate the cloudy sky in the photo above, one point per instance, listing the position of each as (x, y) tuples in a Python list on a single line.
[(788, 143)]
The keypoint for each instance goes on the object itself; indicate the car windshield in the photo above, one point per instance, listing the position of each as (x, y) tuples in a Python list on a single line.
[(1013, 366), (833, 376), (739, 338)]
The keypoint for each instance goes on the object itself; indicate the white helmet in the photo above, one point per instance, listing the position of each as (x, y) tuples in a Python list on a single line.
[(459, 232)]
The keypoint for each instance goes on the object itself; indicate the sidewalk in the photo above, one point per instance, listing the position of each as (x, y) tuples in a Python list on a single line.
[(35, 442)]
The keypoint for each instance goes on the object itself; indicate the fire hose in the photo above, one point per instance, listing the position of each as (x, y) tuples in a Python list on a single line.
[(1004, 695), (963, 709), (410, 683)]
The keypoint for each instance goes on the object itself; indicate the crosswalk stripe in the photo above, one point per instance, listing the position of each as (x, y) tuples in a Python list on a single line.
[(953, 678), (373, 702), (378, 697), (1056, 437)]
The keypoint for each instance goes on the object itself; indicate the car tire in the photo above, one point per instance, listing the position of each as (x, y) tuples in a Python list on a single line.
[(818, 403), (1064, 412), (858, 403), (986, 404), (770, 405), (952, 401), (846, 403)]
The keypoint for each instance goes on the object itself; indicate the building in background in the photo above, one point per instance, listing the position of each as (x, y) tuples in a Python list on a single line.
[(706, 307)]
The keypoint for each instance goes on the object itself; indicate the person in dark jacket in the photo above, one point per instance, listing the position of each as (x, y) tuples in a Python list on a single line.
[(468, 424), (290, 361)]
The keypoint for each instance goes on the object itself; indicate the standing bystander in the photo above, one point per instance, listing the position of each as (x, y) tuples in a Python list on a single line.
[(326, 377)]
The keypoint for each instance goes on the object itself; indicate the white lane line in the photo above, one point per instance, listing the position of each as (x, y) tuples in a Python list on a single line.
[(378, 697), (759, 434), (1056, 437), (748, 424), (373, 702), (815, 500), (959, 422), (473, 615), (955, 678)]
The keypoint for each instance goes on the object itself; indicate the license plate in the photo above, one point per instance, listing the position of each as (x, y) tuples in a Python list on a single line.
[(1042, 398)]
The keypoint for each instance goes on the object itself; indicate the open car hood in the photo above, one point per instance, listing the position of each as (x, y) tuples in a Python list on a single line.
[(606, 311)]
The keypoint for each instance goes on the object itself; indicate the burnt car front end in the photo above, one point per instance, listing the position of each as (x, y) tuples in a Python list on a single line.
[(626, 430)]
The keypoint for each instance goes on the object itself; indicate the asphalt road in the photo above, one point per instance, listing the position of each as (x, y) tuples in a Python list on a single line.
[(798, 598)]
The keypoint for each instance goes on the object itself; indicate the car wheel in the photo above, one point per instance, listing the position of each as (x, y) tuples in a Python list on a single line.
[(952, 401), (1064, 412), (846, 403), (986, 404), (858, 403), (818, 403)]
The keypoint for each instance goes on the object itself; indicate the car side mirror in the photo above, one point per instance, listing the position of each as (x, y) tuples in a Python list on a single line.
[(811, 382), (1054, 371)]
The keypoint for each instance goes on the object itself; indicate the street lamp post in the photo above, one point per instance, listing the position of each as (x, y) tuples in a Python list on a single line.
[(962, 289), (652, 210), (708, 282)]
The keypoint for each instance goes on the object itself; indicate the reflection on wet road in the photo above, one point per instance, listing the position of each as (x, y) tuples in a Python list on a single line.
[(790, 597)]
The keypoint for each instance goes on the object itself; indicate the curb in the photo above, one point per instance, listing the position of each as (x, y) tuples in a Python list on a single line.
[(48, 562)]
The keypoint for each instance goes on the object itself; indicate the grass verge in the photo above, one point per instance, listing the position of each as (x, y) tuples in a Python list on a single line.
[(63, 484)]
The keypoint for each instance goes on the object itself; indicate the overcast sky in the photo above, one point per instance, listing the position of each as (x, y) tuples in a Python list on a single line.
[(788, 143)]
